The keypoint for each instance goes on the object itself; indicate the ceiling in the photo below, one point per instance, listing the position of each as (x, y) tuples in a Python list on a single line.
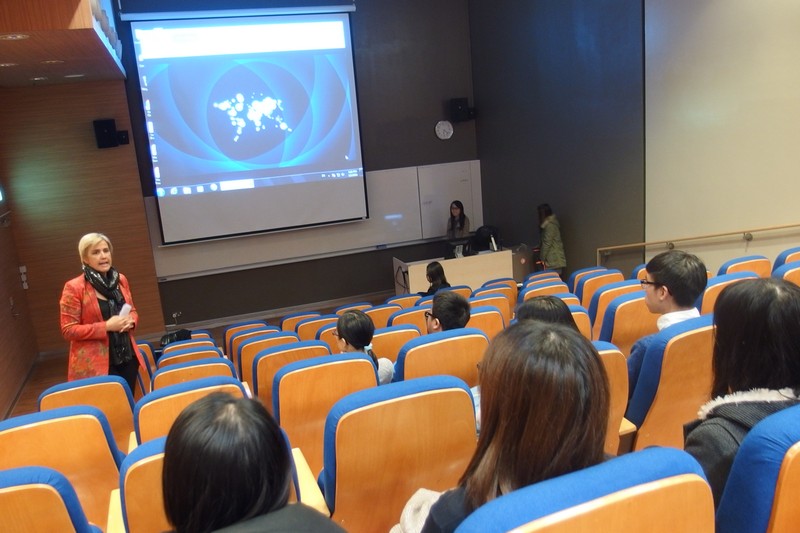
[(59, 56)]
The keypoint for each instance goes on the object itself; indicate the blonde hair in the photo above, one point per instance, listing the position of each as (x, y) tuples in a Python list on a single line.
[(89, 240)]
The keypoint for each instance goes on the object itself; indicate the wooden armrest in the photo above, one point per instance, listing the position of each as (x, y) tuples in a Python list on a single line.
[(115, 523), (132, 442), (309, 490), (248, 391), (627, 432)]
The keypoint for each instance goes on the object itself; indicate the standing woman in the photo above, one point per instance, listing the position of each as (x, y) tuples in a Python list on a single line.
[(551, 248), (458, 223), (99, 336)]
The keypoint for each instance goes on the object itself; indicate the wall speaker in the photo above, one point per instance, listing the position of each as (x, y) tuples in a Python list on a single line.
[(105, 132), (459, 110)]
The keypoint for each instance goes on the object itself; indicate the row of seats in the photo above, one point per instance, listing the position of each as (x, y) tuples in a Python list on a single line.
[(420, 434)]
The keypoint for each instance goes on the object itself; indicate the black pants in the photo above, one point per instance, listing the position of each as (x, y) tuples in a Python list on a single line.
[(127, 371)]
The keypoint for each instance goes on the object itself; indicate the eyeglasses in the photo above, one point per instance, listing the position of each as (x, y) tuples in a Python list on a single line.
[(428, 315), (336, 334), (645, 282)]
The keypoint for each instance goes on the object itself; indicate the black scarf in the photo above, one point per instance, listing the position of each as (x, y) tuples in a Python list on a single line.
[(108, 286)]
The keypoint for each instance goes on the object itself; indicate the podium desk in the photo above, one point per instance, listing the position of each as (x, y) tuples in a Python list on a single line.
[(473, 270)]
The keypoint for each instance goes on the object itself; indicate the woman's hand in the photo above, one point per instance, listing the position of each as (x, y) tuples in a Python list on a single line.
[(119, 323)]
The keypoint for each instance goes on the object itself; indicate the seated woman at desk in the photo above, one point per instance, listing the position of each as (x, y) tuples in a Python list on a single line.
[(434, 272), (458, 223)]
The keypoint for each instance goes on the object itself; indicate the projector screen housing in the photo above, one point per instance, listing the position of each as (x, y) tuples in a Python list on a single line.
[(252, 123)]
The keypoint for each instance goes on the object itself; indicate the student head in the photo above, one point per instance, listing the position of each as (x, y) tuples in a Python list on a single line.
[(225, 460), (757, 336), (544, 212), (354, 331), (450, 311), (544, 409), (674, 281), (434, 272), (457, 212), (546, 309)]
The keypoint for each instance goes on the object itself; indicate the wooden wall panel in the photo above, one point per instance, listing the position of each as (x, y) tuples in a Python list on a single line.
[(61, 186), (17, 346), (31, 15)]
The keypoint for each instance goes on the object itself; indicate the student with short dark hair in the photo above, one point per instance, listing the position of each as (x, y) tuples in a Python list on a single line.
[(450, 311), (226, 462), (434, 273), (674, 281), (535, 375), (354, 331), (756, 364), (546, 309)]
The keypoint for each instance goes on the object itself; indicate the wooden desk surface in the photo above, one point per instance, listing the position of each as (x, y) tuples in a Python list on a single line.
[(473, 270)]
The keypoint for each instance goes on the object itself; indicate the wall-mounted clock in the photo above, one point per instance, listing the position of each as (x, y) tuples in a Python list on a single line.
[(443, 129)]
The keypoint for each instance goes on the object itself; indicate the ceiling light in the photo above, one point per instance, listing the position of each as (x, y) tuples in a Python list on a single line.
[(3, 65), (39, 78), (13, 36), (74, 75), (51, 62)]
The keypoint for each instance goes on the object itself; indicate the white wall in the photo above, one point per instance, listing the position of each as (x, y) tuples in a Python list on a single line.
[(722, 112)]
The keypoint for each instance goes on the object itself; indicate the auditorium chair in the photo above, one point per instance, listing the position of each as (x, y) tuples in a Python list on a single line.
[(545, 288), (303, 393), (252, 346), (512, 290), (788, 271), (327, 334), (658, 490), (77, 442), (541, 275), (488, 319), (455, 352), (758, 264), (37, 499), (575, 277), (307, 328), (463, 290), (269, 361), (568, 298), (616, 368), (229, 331), (414, 316), (592, 281), (382, 444), (137, 504), (188, 344), (361, 306), (154, 414), (603, 296), (787, 256), (238, 338), (674, 382), (403, 300), (110, 394), (379, 314), (763, 486), (289, 322), (191, 370), (627, 319), (495, 299), (705, 302), (177, 357), (581, 318), (387, 342)]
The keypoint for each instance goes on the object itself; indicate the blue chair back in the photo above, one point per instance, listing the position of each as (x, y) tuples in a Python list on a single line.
[(758, 264), (749, 499), (787, 256), (423, 434), (455, 352), (674, 382), (37, 498), (522, 506)]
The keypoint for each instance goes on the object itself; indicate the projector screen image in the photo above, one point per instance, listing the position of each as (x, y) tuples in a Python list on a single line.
[(252, 123)]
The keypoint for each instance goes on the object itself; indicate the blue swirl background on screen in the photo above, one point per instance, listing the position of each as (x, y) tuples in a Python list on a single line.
[(195, 139)]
